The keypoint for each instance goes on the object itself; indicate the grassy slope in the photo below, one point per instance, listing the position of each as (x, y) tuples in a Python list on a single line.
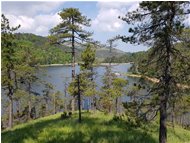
[(95, 128)]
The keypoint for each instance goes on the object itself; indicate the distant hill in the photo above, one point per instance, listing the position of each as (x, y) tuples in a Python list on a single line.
[(35, 39), (43, 52), (101, 53)]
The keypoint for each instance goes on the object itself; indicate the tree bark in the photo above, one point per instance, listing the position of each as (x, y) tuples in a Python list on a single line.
[(46, 108), (89, 102), (73, 64), (116, 103), (94, 103), (29, 109), (29, 102), (65, 106), (65, 103), (54, 106), (11, 113), (73, 104), (173, 115), (18, 109), (166, 78), (79, 99), (163, 128), (10, 95)]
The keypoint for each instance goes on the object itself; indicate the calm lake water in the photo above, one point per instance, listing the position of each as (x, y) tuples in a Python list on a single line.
[(59, 75)]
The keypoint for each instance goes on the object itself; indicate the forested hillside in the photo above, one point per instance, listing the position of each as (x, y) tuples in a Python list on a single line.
[(43, 51), (51, 54)]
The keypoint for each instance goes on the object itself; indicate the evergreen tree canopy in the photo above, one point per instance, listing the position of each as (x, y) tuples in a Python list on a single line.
[(88, 57), (158, 25), (71, 26)]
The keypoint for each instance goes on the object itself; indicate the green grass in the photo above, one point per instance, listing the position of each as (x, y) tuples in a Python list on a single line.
[(95, 128)]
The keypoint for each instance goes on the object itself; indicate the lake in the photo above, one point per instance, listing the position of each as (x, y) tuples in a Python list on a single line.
[(58, 76)]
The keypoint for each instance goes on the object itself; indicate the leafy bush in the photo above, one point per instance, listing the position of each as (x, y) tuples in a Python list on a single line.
[(117, 118), (70, 113), (64, 115)]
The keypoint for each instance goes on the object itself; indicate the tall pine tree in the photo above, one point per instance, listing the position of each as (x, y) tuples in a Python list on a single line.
[(71, 32), (8, 46), (158, 25)]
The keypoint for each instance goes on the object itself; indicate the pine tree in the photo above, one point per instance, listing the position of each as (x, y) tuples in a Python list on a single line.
[(25, 69), (8, 46), (70, 31), (159, 24), (57, 101), (77, 88), (106, 91), (47, 96), (113, 88), (119, 85), (88, 59)]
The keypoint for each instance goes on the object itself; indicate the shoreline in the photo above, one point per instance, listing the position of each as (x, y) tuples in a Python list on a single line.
[(154, 80), (101, 64)]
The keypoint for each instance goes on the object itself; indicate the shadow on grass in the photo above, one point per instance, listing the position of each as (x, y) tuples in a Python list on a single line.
[(91, 130), (18, 135)]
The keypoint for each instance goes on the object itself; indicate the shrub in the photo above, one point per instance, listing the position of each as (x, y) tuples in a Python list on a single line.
[(70, 113), (64, 115), (117, 118)]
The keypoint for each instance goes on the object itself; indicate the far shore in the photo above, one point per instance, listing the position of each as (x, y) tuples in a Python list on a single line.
[(155, 80), (69, 64)]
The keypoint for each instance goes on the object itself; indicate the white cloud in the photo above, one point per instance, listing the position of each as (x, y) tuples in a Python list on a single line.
[(133, 7), (107, 19), (34, 17), (40, 17), (118, 5), (29, 8), (40, 24)]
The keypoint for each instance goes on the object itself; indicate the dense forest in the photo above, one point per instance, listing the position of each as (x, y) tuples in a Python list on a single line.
[(44, 52), (158, 102), (56, 54)]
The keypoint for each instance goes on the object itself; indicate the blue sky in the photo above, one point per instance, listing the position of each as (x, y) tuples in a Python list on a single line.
[(39, 17)]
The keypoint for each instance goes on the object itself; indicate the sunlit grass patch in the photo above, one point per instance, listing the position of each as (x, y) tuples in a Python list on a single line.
[(95, 128)]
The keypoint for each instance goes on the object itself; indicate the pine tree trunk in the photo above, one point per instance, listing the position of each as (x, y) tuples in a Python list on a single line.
[(29, 109), (163, 128), (79, 100), (19, 111), (73, 104), (73, 64), (166, 81), (173, 115), (11, 113), (29, 102), (54, 108), (65, 106), (89, 104), (65, 103), (116, 103), (181, 121), (94, 103), (47, 108)]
